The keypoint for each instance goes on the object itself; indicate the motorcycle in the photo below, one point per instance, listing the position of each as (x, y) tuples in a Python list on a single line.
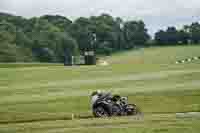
[(108, 106)]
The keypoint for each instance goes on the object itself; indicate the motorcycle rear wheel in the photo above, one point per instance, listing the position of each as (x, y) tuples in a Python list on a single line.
[(135, 110)]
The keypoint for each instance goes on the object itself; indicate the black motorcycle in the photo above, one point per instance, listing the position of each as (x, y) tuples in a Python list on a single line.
[(108, 106)]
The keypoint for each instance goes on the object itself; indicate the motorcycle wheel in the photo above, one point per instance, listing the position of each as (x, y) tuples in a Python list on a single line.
[(134, 109), (116, 110), (99, 111)]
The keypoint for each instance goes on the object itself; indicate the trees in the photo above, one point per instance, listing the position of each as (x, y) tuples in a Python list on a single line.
[(35, 39), (194, 31), (103, 27), (99, 33), (53, 38), (66, 47), (9, 50), (61, 22), (160, 37), (135, 33), (81, 31), (169, 37), (183, 37), (48, 40), (172, 36)]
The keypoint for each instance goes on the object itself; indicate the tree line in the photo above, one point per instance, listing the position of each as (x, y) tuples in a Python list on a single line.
[(189, 34), (54, 38)]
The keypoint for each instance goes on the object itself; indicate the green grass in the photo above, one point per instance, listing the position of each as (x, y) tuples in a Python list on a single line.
[(17, 65), (157, 55), (160, 123), (42, 99)]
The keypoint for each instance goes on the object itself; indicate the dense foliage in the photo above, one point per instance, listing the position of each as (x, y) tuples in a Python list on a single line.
[(189, 34), (54, 38)]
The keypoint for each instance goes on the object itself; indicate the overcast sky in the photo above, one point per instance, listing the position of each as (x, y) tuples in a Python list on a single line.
[(155, 13)]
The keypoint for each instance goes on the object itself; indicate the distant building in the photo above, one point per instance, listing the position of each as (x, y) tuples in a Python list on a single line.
[(88, 58)]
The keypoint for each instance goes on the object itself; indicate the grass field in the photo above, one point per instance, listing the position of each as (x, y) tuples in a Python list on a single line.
[(41, 99)]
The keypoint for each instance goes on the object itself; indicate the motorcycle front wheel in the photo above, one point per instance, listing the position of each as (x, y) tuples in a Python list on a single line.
[(100, 111), (116, 110)]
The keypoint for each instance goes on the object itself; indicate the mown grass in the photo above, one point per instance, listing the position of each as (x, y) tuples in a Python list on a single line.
[(159, 123), (17, 65), (48, 95), (157, 55)]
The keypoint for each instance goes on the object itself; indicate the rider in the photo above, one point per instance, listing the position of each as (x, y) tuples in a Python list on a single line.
[(98, 95)]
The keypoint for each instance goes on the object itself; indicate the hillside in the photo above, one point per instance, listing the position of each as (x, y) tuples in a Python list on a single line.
[(42, 99), (156, 55)]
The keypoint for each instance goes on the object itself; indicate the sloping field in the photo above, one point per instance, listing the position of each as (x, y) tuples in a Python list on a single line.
[(42, 99), (157, 55)]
